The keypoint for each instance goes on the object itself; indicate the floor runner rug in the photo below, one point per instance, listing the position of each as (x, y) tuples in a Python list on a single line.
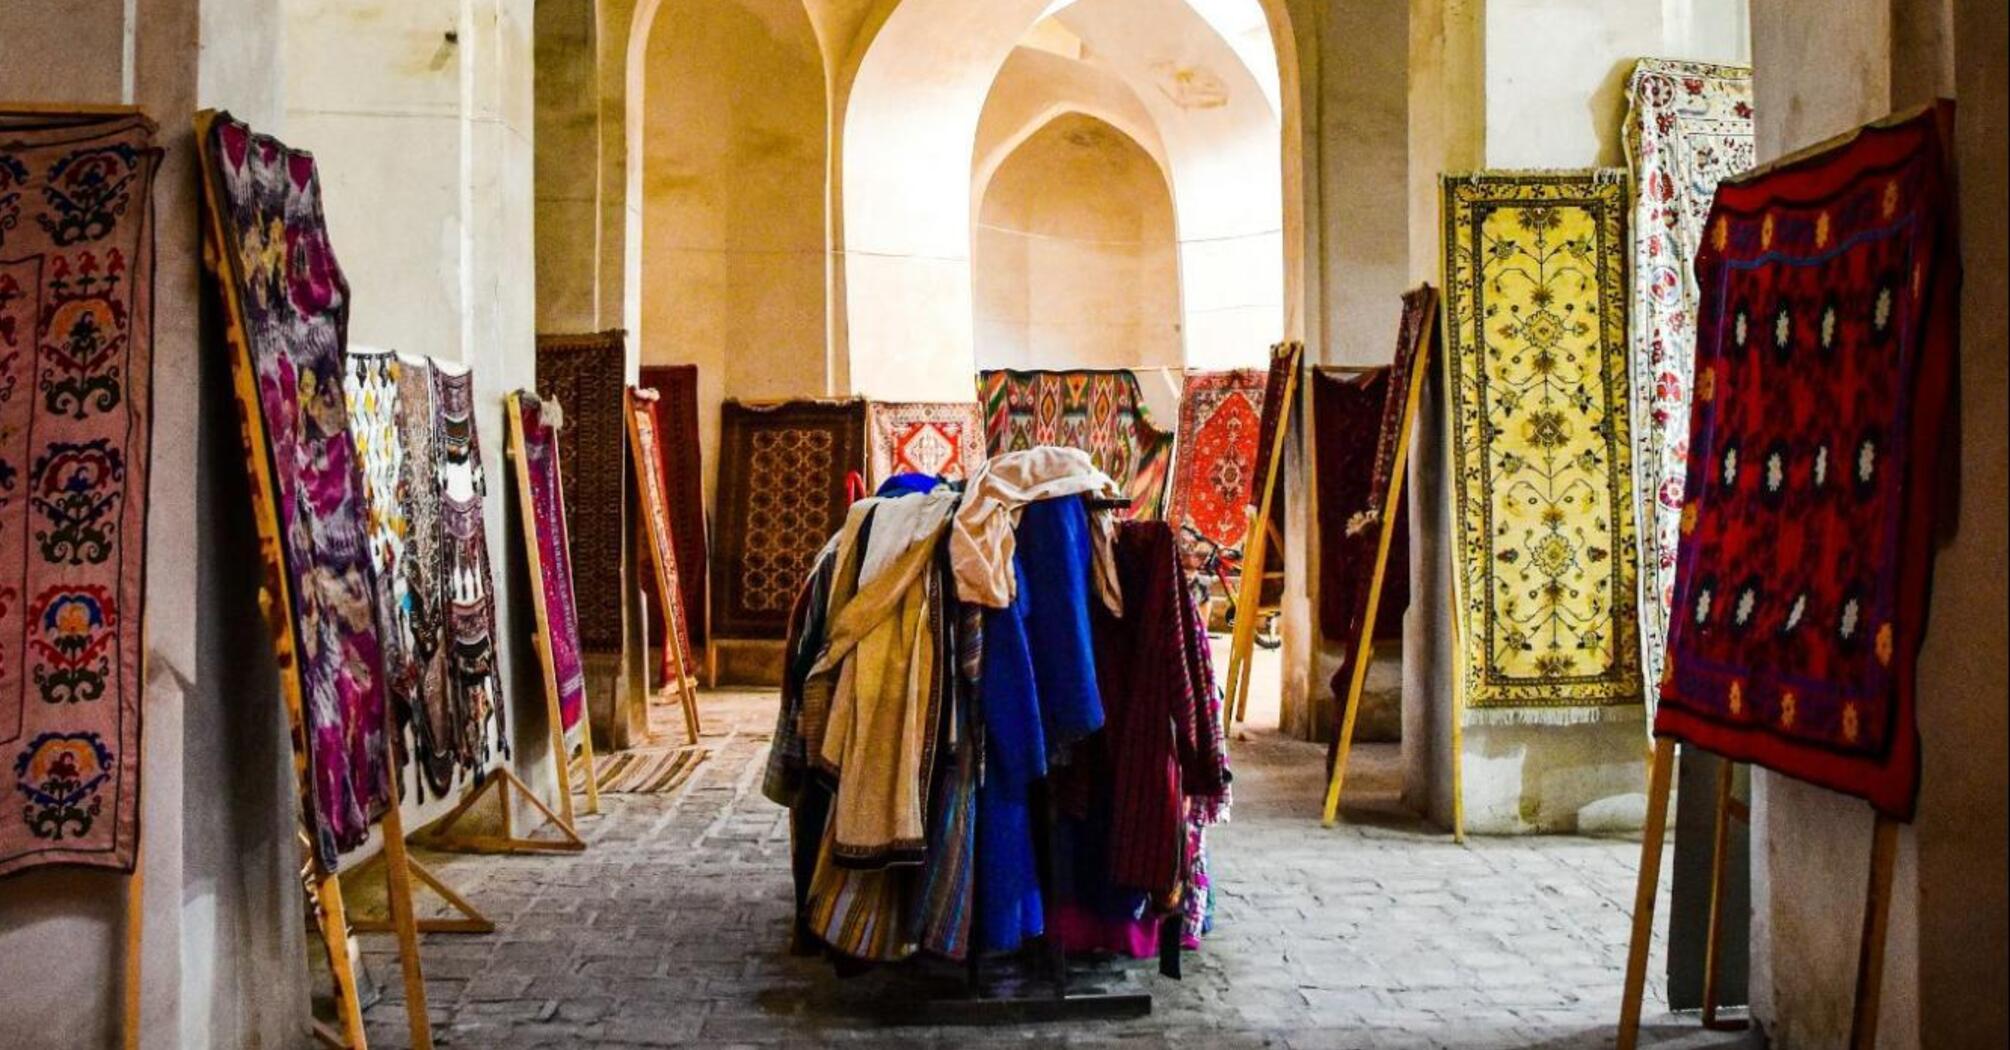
[(1824, 369), (1688, 127), (1214, 469), (676, 389), (945, 438), (76, 390), (582, 374), (1100, 412), (1536, 362), (782, 469), (643, 771)]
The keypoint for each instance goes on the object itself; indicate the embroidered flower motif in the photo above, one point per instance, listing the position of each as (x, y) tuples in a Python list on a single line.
[(1783, 329), (1547, 430), (1776, 471)]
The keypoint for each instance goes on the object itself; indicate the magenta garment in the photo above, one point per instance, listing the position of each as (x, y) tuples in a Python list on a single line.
[(292, 315), (554, 558)]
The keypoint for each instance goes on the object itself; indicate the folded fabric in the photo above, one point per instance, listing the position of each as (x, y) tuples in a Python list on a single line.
[(981, 541)]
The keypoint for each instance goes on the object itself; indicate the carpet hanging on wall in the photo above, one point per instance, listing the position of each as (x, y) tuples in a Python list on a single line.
[(1688, 127), (286, 317), (657, 534), (1214, 470), (559, 612), (782, 470), (676, 389), (1347, 406), (1100, 412), (583, 375), (1536, 362), (944, 438), (1824, 369), (76, 387)]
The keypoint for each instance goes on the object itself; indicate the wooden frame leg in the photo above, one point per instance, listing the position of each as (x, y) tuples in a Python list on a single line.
[(1713, 943), (592, 764), (135, 923), (1644, 894), (1876, 926), (471, 921), (502, 780), (397, 867), (327, 893)]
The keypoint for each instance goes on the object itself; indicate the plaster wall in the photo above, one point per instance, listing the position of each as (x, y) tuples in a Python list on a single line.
[(220, 946), (1076, 262), (567, 169)]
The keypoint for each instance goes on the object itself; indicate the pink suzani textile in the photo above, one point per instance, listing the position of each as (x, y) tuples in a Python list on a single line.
[(287, 312), (1100, 412), (1689, 127), (1220, 418), (941, 438), (547, 534), (76, 371)]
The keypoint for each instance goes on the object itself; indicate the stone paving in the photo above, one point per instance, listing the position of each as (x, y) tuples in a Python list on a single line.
[(671, 930)]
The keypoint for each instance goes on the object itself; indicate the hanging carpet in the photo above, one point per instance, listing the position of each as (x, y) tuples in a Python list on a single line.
[(1689, 126), (943, 438), (1536, 359), (1100, 412), (76, 389), (781, 490), (657, 533), (1824, 369), (1214, 473), (559, 617), (1347, 409), (583, 374), (676, 389)]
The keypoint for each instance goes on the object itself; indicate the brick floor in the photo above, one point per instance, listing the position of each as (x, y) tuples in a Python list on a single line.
[(671, 930)]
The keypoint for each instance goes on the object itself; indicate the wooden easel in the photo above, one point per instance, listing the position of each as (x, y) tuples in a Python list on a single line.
[(1364, 648), (527, 506), (503, 782), (276, 605), (1256, 550), (1876, 920), (663, 556)]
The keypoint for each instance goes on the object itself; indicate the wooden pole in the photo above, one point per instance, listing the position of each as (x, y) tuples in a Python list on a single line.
[(1644, 893), (1713, 944), (662, 555), (135, 922), (335, 938), (1876, 925), (417, 1020)]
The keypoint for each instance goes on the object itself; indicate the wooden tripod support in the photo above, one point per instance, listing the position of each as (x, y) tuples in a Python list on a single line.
[(1876, 921), (1256, 546), (503, 782), (642, 449), (561, 752), (1364, 648)]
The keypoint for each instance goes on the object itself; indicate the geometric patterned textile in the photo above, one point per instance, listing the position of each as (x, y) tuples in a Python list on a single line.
[(582, 375), (943, 438), (1101, 412), (546, 499), (286, 313), (1824, 368), (1689, 127), (76, 379), (1214, 465), (370, 386), (644, 432), (782, 470), (676, 389), (1536, 362), (421, 585), (474, 678)]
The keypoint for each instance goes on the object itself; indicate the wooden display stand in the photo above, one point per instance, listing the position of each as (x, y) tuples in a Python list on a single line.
[(276, 605), (663, 557), (527, 507), (1243, 639), (1876, 919), (1364, 647)]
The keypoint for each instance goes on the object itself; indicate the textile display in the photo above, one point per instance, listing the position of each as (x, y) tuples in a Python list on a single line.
[(547, 535), (584, 375), (76, 391), (1824, 369), (1688, 127), (422, 577), (1285, 359), (642, 771), (1535, 356), (474, 683), (651, 494), (287, 308), (1100, 412), (1347, 410), (781, 493), (943, 438), (676, 389), (1214, 469)]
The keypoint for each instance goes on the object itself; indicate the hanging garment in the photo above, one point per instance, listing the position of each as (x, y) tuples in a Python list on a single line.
[(983, 536), (1824, 373), (1535, 350), (423, 604), (76, 403), (287, 309), (473, 686), (1688, 127)]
